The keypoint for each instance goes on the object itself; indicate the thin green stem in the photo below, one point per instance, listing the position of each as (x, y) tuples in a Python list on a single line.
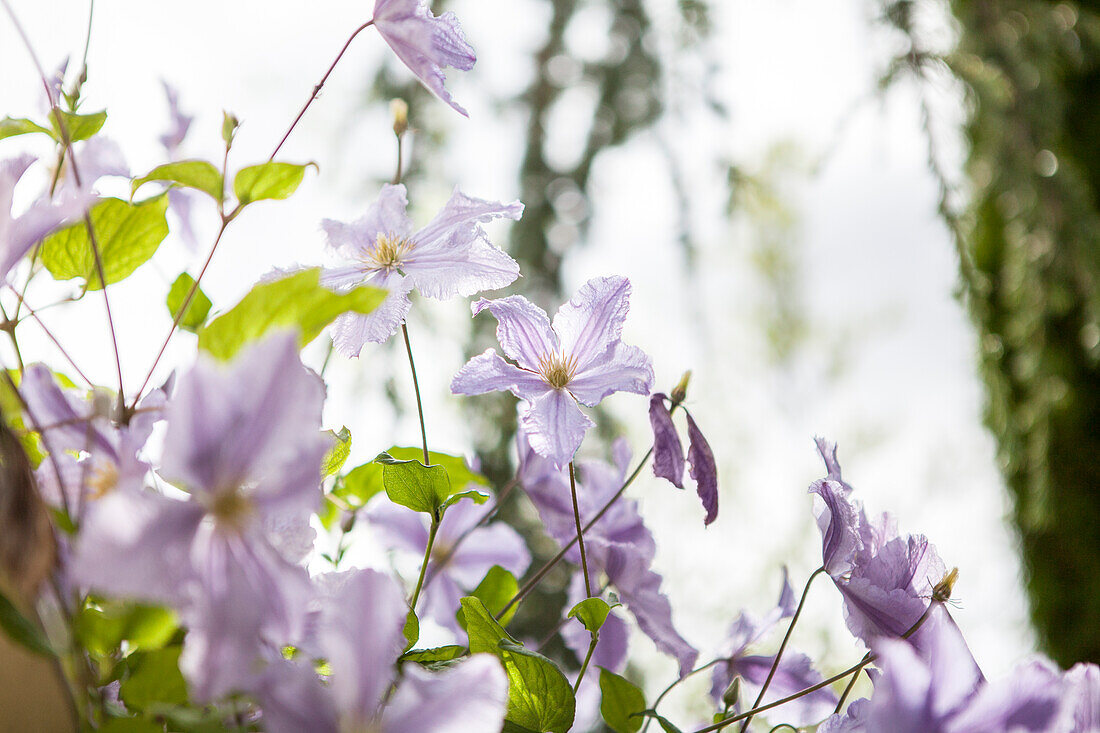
[(676, 682), (584, 665), (485, 519), (848, 690), (580, 531), (9, 326), (416, 388), (424, 565), (782, 646)]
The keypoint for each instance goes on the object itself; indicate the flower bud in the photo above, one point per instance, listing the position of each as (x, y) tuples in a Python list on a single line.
[(679, 392), (941, 591), (732, 695), (230, 123), (400, 111)]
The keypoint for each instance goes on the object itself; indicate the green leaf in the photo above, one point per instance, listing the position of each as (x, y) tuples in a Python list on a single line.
[(295, 300), (267, 181), (197, 174), (414, 485), (457, 470), (130, 725), (77, 127), (21, 630), (155, 678), (127, 234), (101, 628), (495, 590), (197, 310), (478, 497), (341, 449), (11, 126), (437, 654), (622, 704), (591, 612), (411, 630), (510, 727), (665, 723), (362, 483), (540, 698)]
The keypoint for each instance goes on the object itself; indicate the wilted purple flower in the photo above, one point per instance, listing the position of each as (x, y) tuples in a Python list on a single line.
[(619, 545), (466, 562), (939, 689), (360, 637), (448, 257), (245, 443), (886, 580), (668, 455), (425, 43), (794, 673), (580, 359), (180, 200), (19, 234)]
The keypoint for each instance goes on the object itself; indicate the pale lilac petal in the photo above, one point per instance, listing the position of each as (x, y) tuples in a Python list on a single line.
[(352, 331), (653, 612), (853, 720), (592, 321), (361, 636), (386, 217), (399, 528), (668, 452), (523, 329), (459, 218), (621, 368), (293, 700), (555, 425), (787, 600), (471, 697), (703, 470), (1029, 701), (794, 674), (424, 43), (1083, 696), (887, 594), (178, 124), (495, 544), (487, 372), (180, 202), (838, 519), (255, 423), (137, 546)]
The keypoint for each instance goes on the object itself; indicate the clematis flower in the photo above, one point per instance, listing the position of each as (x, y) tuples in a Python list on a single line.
[(425, 43), (668, 454), (581, 358), (794, 673), (180, 199), (1083, 696), (19, 234), (939, 689), (448, 257), (245, 442), (619, 546), (886, 580), (466, 563), (360, 636)]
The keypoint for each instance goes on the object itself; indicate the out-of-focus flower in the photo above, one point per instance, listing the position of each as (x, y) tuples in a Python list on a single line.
[(180, 200), (425, 43), (668, 455), (619, 545), (19, 234), (360, 636), (467, 561), (580, 359), (448, 257), (886, 580), (794, 673), (245, 443), (1083, 697)]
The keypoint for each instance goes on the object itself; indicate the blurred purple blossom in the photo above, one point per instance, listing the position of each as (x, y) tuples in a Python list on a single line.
[(467, 561), (794, 673), (1083, 696), (448, 257), (244, 441), (180, 200), (425, 43), (581, 358)]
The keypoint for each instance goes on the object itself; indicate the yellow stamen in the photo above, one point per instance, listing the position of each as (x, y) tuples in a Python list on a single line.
[(230, 506), (941, 591), (557, 369), (388, 253), (102, 478)]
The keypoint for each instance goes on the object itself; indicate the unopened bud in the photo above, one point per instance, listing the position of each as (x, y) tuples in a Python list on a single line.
[(348, 523), (679, 392), (941, 591), (400, 111), (103, 404), (732, 695), (230, 123)]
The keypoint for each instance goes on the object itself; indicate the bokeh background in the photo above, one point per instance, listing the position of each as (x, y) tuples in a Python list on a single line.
[(870, 220)]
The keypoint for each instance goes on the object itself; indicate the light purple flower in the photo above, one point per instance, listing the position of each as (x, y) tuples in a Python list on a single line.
[(448, 257), (19, 234), (794, 673), (668, 455), (886, 579), (425, 43), (619, 545), (581, 358), (939, 689), (360, 637), (180, 200), (1083, 697), (245, 443), (467, 562)]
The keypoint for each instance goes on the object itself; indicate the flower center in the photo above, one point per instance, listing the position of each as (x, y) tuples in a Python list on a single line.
[(102, 477), (557, 369), (388, 253), (230, 506)]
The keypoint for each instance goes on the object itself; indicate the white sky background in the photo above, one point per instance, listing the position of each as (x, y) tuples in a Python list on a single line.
[(888, 369)]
